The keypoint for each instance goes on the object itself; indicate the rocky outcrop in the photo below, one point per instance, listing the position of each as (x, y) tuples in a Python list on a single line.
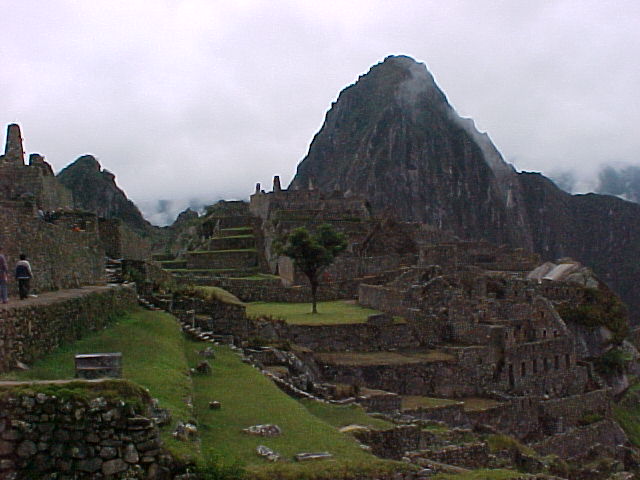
[(393, 137), (95, 190)]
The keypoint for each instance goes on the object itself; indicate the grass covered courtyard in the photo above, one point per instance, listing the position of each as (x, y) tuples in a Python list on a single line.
[(329, 313)]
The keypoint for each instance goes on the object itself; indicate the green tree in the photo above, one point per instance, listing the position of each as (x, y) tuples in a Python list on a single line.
[(312, 253)]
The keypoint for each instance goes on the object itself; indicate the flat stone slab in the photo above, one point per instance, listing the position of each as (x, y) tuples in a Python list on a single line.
[(305, 457)]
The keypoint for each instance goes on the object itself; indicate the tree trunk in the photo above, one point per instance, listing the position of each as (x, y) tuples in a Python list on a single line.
[(314, 291)]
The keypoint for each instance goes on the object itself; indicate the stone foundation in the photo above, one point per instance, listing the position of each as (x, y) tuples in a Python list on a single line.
[(83, 438)]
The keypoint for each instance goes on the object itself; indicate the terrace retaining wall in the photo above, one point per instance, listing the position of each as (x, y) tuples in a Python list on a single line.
[(42, 434), (31, 329)]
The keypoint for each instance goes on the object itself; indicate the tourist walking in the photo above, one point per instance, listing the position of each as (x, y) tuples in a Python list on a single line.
[(4, 278), (23, 275)]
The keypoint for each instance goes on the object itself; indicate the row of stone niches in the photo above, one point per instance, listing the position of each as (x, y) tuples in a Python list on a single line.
[(545, 365)]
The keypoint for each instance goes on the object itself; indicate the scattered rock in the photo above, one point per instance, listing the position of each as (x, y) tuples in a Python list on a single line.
[(354, 428), (207, 353), (305, 457), (185, 431), (267, 430), (162, 416), (267, 453), (22, 366), (203, 367)]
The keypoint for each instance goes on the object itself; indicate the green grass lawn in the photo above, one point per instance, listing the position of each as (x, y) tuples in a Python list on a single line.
[(411, 402), (257, 277), (629, 419), (482, 474), (153, 356), (248, 398), (329, 313), (157, 356), (342, 415)]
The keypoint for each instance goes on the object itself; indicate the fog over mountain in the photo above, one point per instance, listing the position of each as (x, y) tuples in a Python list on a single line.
[(201, 99)]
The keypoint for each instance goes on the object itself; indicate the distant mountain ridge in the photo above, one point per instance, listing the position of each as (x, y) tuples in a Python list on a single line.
[(393, 137), (95, 190)]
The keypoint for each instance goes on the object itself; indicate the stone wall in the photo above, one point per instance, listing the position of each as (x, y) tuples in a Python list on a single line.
[(382, 298), (83, 438), (391, 443), (214, 315), (222, 259), (468, 455), (573, 410), (453, 415), (607, 434), (60, 257), (119, 241), (28, 332), (360, 337)]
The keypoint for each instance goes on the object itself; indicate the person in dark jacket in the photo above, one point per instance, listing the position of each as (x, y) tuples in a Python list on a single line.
[(4, 278), (23, 276)]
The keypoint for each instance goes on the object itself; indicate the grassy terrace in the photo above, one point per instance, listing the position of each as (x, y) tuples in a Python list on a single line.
[(153, 356), (258, 277), (329, 313), (248, 398), (157, 356), (383, 358), (470, 404)]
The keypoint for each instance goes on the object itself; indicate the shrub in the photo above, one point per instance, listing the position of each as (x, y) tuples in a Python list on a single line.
[(612, 362), (598, 308)]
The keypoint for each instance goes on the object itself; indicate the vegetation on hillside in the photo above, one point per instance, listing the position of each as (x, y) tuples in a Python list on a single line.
[(312, 253), (598, 308)]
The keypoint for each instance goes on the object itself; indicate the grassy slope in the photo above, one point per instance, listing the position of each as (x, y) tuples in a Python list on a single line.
[(252, 400), (153, 356), (343, 415), (329, 313), (156, 356)]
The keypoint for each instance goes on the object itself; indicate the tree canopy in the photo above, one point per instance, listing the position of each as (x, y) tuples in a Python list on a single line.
[(312, 253)]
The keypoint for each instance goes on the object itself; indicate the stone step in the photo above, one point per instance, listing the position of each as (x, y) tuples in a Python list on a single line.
[(234, 259)]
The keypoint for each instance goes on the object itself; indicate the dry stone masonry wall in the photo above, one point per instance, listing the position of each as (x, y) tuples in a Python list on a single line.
[(82, 438), (30, 331)]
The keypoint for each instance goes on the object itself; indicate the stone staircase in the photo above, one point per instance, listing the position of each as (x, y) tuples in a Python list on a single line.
[(113, 271), (229, 249)]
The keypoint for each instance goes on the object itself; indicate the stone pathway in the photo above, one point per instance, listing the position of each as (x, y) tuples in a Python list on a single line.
[(48, 298)]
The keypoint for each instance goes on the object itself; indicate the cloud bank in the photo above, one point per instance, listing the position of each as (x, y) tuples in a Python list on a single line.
[(202, 99)]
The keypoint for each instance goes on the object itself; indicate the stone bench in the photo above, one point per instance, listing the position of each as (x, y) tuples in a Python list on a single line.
[(98, 365)]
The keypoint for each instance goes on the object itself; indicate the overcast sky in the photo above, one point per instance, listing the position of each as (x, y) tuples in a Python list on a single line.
[(187, 100)]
